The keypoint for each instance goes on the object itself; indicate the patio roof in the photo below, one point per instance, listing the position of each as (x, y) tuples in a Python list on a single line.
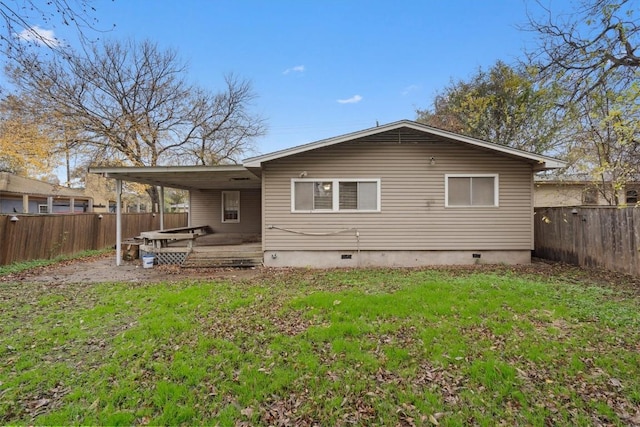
[(221, 177)]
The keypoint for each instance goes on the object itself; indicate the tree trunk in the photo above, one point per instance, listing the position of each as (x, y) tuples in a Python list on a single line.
[(154, 196)]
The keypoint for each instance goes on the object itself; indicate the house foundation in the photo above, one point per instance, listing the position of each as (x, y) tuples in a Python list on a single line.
[(333, 259)]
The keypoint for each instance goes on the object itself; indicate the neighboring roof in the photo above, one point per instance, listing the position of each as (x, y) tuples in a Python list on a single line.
[(185, 177), (585, 182), (541, 162), (10, 183)]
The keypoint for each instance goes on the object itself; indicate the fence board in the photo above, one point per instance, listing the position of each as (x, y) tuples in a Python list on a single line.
[(48, 236), (600, 237)]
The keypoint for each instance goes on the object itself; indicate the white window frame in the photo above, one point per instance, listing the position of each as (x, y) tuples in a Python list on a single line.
[(43, 209), (496, 189), (335, 182), (222, 199)]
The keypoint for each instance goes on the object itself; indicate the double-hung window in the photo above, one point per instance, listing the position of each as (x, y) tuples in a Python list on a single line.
[(230, 206), (335, 195), (471, 190)]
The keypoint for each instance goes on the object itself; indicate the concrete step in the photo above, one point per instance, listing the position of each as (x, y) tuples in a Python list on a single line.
[(203, 260)]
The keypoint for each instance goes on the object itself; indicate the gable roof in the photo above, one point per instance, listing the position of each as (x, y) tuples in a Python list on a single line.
[(540, 162)]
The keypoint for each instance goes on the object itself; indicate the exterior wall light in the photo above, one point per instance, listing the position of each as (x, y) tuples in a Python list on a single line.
[(100, 216), (432, 161), (14, 219)]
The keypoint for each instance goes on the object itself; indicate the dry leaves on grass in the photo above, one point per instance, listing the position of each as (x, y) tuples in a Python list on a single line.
[(45, 401)]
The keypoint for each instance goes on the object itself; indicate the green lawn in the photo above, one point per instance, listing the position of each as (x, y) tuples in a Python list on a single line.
[(303, 347)]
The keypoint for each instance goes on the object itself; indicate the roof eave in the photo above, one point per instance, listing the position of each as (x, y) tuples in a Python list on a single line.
[(550, 164), (155, 169)]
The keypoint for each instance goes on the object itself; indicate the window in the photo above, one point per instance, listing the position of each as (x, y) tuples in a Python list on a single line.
[(335, 195), (43, 209), (471, 190), (632, 197), (230, 206), (590, 196)]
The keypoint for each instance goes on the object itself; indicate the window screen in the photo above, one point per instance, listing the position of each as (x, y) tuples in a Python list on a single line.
[(335, 195), (471, 191)]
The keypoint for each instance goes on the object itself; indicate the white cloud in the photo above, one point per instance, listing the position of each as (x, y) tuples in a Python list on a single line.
[(296, 69), (410, 89), (353, 100), (39, 36)]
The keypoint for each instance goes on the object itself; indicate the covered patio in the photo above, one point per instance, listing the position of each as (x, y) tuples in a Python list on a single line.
[(225, 200)]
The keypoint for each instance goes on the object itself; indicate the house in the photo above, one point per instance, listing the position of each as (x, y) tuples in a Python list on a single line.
[(25, 195), (581, 192), (104, 196), (401, 194)]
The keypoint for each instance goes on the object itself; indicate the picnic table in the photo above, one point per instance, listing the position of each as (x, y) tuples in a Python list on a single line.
[(161, 238)]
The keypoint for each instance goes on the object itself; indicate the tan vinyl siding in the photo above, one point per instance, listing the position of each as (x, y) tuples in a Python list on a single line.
[(206, 209), (413, 214)]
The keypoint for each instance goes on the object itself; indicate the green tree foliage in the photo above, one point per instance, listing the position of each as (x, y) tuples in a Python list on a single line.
[(500, 105), (26, 146), (606, 139)]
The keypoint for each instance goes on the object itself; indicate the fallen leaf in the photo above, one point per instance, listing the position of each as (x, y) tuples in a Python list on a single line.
[(42, 402), (615, 382)]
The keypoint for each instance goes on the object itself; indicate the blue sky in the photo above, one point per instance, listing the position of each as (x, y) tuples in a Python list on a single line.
[(324, 68)]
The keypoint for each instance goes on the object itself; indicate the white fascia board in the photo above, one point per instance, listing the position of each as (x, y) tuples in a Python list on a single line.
[(155, 169)]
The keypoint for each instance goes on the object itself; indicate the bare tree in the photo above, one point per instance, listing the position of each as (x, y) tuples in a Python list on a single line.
[(31, 23), (225, 124), (591, 56), (132, 105), (584, 48)]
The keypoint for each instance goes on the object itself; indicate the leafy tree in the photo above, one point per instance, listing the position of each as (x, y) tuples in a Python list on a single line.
[(25, 144), (606, 139), (130, 104), (501, 105)]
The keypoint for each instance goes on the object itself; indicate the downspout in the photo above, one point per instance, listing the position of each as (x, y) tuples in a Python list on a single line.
[(118, 222)]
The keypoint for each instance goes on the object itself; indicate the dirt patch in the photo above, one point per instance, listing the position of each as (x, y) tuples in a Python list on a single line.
[(103, 269)]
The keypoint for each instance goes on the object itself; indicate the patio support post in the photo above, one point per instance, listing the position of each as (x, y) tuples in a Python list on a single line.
[(25, 203), (72, 205), (50, 204), (161, 208), (189, 223), (118, 222)]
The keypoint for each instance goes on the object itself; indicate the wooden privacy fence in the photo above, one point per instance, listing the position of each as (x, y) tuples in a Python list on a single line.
[(48, 236), (602, 237)]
